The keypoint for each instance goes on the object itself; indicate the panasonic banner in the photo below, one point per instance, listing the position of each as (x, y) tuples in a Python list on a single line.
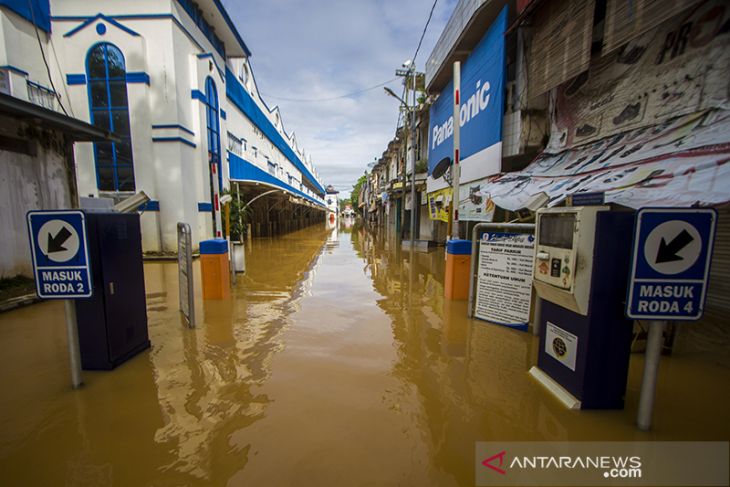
[(482, 106)]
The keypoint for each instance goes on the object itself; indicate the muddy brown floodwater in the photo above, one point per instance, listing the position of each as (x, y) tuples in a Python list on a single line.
[(337, 362)]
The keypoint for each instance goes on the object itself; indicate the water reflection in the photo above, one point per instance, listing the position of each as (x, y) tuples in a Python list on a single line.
[(207, 391), (336, 362), (470, 376)]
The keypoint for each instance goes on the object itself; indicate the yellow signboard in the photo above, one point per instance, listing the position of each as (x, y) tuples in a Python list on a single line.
[(438, 204)]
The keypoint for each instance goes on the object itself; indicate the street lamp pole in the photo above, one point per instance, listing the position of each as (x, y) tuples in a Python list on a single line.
[(409, 110), (404, 179), (414, 206)]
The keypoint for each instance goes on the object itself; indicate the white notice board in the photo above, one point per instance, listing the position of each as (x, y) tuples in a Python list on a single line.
[(504, 278)]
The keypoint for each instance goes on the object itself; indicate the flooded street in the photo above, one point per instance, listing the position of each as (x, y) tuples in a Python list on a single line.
[(336, 362)]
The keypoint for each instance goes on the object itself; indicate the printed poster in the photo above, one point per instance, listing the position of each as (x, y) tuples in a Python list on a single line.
[(561, 345), (504, 279), (475, 202), (438, 204)]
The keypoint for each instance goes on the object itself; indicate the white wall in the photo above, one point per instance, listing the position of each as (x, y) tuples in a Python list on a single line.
[(29, 183), (19, 48), (170, 172), (331, 199)]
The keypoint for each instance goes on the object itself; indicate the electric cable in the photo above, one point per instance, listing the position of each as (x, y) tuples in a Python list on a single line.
[(415, 54), (313, 100), (43, 55), (60, 73), (425, 27)]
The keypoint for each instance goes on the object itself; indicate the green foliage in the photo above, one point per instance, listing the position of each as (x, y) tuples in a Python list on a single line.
[(355, 193), (240, 215), (421, 166)]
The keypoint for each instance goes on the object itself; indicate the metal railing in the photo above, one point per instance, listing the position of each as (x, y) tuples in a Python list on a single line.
[(42, 96)]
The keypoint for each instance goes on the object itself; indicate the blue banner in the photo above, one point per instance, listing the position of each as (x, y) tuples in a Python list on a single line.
[(482, 100)]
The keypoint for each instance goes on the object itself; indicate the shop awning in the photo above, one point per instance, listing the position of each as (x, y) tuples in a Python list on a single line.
[(679, 163), (73, 128), (241, 170)]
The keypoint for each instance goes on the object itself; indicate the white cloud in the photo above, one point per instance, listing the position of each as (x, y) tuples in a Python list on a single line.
[(314, 49)]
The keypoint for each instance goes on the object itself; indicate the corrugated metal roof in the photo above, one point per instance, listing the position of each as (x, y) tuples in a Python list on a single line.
[(72, 127), (463, 12)]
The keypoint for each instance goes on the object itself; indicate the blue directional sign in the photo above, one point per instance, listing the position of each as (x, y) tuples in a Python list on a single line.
[(60, 254), (671, 263)]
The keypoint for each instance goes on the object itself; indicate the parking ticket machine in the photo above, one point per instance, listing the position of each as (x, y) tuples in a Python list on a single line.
[(580, 272)]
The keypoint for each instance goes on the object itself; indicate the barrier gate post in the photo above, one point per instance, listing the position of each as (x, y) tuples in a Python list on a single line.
[(185, 273)]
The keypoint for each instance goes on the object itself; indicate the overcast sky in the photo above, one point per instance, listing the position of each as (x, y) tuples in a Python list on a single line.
[(314, 49)]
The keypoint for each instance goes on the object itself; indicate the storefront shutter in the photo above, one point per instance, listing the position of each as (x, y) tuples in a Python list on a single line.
[(710, 336), (561, 43), (628, 19)]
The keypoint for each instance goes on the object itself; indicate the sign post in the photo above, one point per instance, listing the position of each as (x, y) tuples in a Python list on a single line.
[(74, 352), (61, 267), (670, 268)]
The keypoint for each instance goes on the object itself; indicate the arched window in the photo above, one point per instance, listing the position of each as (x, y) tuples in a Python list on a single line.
[(243, 76), (212, 122), (107, 77)]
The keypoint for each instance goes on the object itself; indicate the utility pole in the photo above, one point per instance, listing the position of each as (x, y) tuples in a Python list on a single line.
[(414, 207), (410, 74), (405, 173)]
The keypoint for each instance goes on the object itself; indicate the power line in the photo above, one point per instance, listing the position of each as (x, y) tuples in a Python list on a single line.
[(415, 55), (425, 27), (43, 55), (347, 95)]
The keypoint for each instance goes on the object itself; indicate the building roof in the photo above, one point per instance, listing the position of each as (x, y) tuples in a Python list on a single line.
[(72, 127), (466, 26), (215, 14), (37, 12), (242, 99)]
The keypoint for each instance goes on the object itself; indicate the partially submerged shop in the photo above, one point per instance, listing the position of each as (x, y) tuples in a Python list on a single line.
[(646, 125), (638, 118)]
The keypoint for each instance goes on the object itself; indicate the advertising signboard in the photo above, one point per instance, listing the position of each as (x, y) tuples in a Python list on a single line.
[(482, 106)]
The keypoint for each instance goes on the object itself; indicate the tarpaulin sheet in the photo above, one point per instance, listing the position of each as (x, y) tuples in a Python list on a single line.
[(680, 162)]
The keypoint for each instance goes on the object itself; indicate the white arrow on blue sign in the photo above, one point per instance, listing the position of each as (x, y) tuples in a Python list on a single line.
[(60, 254), (671, 263)]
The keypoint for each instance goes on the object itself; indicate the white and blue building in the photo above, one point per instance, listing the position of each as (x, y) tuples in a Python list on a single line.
[(172, 80)]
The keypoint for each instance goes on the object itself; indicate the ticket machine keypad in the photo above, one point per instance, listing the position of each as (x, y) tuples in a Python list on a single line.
[(555, 267), (555, 250)]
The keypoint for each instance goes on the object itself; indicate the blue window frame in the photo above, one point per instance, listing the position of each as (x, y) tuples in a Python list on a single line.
[(107, 85), (213, 127)]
